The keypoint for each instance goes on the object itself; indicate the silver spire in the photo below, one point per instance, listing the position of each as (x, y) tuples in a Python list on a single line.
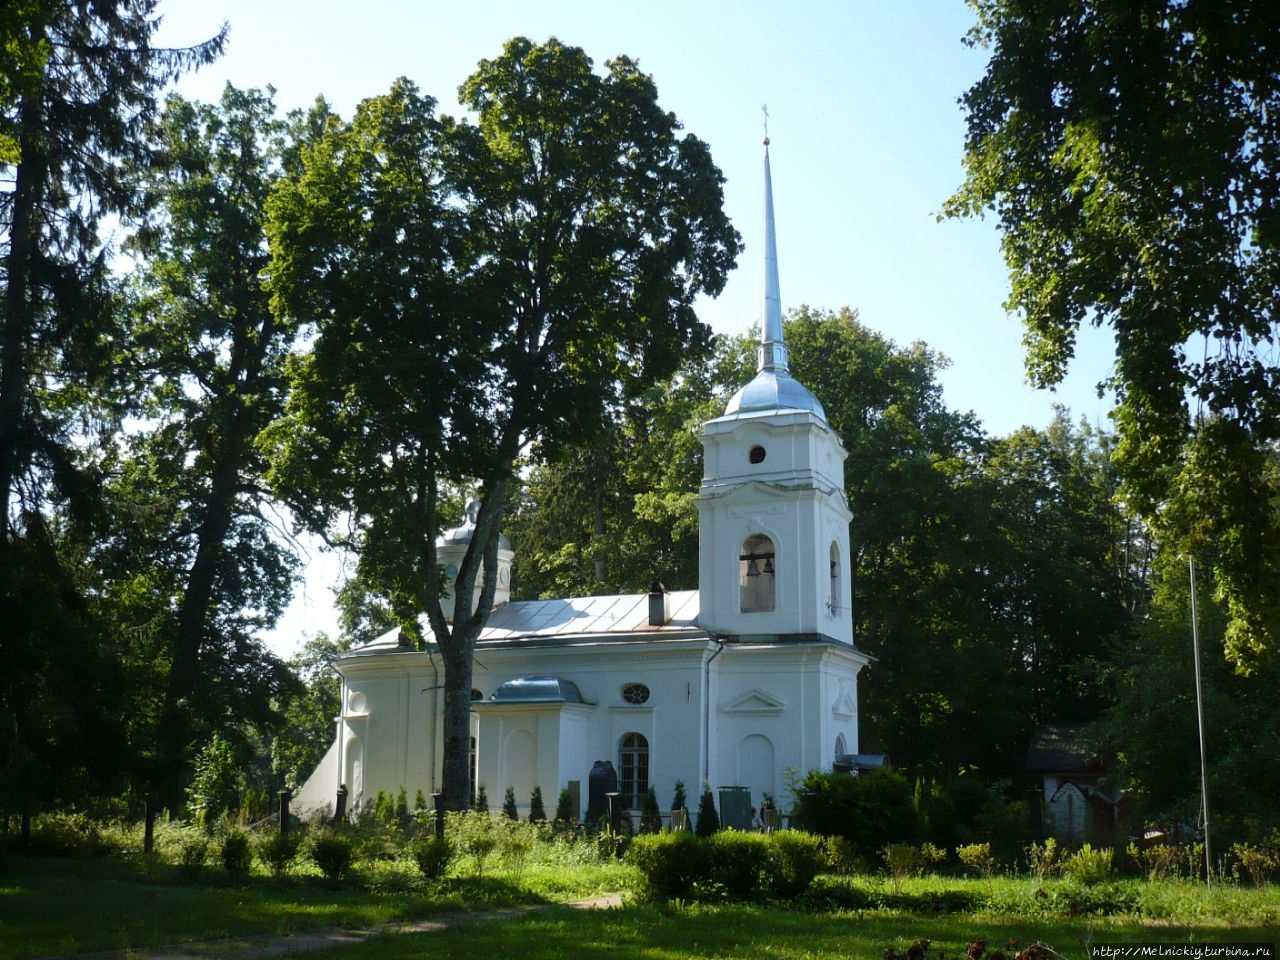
[(772, 353)]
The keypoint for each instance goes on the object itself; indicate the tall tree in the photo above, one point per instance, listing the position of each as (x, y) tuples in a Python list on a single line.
[(78, 110), (476, 288), (208, 358), (1132, 154)]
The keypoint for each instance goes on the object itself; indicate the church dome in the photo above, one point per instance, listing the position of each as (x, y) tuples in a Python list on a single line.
[(460, 536), (774, 390)]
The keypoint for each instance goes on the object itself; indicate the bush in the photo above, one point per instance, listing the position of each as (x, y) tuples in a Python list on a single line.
[(977, 857), (333, 853), (901, 860), (509, 805), (1156, 862), (870, 810), (670, 863), (193, 851), (235, 853), (537, 811), (473, 834), (1088, 866), (565, 814), (277, 851), (793, 858), (708, 820), (651, 813), (433, 856), (1257, 862), (481, 804), (736, 861), (1045, 860)]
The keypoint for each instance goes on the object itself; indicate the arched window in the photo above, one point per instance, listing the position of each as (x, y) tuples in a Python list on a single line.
[(841, 747), (633, 770), (756, 574), (833, 603)]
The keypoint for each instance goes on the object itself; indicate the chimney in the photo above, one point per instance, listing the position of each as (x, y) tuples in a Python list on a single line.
[(658, 613)]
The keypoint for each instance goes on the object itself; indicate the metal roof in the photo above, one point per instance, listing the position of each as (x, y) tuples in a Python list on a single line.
[(576, 617), (537, 690)]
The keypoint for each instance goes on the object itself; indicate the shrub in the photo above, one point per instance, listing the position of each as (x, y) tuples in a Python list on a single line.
[(1157, 862), (1088, 866), (870, 810), (678, 799), (277, 851), (481, 804), (842, 856), (708, 820), (235, 853), (670, 863), (536, 809), (432, 855), (977, 857), (736, 861), (193, 851), (793, 858), (901, 860), (509, 805), (565, 814), (419, 801), (474, 835), (333, 853), (651, 813), (1257, 862), (1044, 859)]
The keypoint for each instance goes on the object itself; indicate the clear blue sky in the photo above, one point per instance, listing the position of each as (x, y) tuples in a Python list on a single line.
[(867, 139)]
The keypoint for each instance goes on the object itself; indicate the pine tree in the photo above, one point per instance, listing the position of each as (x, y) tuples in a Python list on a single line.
[(708, 819), (679, 801), (536, 810), (651, 814), (509, 805), (565, 814), (481, 804), (419, 800)]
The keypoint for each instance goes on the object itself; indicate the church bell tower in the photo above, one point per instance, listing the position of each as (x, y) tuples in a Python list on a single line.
[(773, 535)]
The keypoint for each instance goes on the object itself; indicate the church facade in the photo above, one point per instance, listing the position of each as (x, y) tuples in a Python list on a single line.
[(732, 684)]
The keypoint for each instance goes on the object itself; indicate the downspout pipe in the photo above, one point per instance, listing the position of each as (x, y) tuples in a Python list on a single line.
[(706, 710)]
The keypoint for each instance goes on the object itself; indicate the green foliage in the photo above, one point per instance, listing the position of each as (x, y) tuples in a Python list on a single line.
[(794, 858), (278, 851), (481, 802), (736, 861), (436, 258), (217, 781), (651, 813), (1088, 866), (1152, 148), (473, 834), (1045, 859), (236, 853), (901, 860), (565, 814), (977, 857), (670, 863), (708, 819), (509, 805), (678, 798), (333, 852), (433, 855), (870, 810), (537, 812), (401, 810), (743, 866), (1257, 862), (1157, 861)]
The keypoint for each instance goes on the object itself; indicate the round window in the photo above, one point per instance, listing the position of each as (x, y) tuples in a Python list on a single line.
[(756, 455), (635, 693)]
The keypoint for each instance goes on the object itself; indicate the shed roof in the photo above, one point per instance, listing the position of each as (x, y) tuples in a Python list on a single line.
[(1060, 748)]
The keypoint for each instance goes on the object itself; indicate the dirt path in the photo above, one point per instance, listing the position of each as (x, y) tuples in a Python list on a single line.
[(265, 946)]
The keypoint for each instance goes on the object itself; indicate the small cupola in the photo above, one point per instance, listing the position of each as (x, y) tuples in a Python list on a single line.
[(452, 546)]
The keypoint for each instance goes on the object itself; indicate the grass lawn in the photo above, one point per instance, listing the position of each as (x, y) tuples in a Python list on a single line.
[(51, 906), (752, 933)]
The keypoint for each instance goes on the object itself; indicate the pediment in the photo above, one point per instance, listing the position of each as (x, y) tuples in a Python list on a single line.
[(755, 702)]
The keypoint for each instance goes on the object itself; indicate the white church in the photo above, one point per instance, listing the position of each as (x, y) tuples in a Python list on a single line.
[(731, 684)]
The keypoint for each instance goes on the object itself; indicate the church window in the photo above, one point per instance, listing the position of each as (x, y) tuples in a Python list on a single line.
[(635, 693), (476, 694), (833, 603), (633, 770), (841, 747), (756, 454), (756, 574)]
